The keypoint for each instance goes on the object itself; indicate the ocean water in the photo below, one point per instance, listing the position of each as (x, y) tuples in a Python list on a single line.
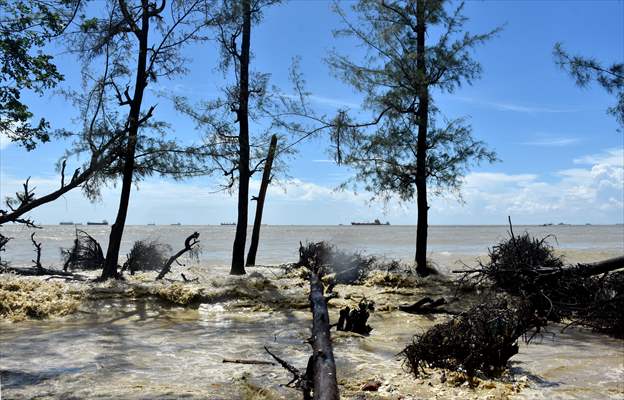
[(448, 246), (141, 349)]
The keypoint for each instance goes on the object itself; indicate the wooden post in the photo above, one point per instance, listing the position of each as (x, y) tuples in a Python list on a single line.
[(266, 179)]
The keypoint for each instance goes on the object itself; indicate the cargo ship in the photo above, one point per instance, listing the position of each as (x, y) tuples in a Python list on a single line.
[(228, 223), (104, 222), (375, 222)]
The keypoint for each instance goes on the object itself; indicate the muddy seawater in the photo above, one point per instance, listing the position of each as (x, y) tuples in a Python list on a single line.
[(145, 340)]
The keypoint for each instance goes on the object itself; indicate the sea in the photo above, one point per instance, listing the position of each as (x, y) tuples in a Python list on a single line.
[(449, 246)]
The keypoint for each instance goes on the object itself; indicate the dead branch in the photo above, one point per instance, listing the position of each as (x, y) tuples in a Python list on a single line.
[(250, 362), (425, 306), (37, 250), (189, 245), (301, 381)]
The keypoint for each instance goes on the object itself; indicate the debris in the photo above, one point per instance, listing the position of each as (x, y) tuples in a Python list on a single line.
[(86, 254), (146, 256)]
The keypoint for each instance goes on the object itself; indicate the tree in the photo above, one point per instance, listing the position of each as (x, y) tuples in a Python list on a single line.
[(141, 30), (27, 25), (586, 70), (235, 151), (264, 184), (405, 149)]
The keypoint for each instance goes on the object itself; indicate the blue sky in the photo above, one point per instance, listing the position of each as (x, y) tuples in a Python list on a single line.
[(561, 156)]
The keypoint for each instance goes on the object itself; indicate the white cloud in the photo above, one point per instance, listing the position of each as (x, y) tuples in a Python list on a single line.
[(552, 142), (521, 108), (591, 192)]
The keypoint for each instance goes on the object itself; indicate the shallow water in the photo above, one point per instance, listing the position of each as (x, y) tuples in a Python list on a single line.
[(139, 348), (279, 243)]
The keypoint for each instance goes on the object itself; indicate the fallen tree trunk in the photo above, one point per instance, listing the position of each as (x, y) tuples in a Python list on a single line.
[(600, 267), (425, 306), (34, 271), (325, 382), (189, 245)]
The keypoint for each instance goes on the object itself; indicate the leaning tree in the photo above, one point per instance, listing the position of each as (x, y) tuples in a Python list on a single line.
[(407, 149), (237, 125)]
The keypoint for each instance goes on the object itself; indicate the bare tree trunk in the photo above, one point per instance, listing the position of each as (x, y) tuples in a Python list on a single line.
[(421, 149), (114, 243), (238, 250), (266, 178), (325, 381)]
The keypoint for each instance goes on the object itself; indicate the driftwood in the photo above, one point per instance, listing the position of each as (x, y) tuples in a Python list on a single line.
[(190, 244), (426, 305), (325, 382), (251, 362), (300, 380), (319, 382), (34, 271)]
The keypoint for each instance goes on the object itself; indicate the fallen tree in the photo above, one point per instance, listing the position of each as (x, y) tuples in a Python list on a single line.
[(85, 254), (319, 381), (532, 286), (146, 256), (586, 293), (482, 339)]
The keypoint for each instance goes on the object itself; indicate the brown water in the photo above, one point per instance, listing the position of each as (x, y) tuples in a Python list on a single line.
[(139, 348)]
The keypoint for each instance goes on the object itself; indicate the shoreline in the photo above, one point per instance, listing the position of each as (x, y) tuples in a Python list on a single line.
[(199, 324)]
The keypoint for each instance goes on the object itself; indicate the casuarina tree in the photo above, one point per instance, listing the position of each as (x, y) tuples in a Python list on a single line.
[(414, 49)]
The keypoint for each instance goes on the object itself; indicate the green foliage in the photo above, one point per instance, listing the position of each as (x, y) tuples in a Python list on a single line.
[(26, 26), (107, 45), (586, 70), (385, 151)]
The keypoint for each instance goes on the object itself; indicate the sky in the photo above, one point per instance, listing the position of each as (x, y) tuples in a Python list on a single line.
[(561, 156)]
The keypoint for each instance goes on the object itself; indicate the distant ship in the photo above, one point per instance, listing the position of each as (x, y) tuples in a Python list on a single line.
[(228, 223), (375, 222), (66, 223), (176, 224), (104, 222), (152, 224)]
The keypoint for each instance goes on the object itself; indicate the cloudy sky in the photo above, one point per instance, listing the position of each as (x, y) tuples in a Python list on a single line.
[(562, 159)]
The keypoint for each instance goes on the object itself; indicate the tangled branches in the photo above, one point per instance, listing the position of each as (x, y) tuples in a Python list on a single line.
[(585, 294), (483, 339), (347, 268), (86, 254), (146, 256)]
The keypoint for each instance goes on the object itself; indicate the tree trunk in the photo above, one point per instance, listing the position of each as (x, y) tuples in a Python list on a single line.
[(266, 178), (114, 243), (325, 381), (238, 250), (421, 149)]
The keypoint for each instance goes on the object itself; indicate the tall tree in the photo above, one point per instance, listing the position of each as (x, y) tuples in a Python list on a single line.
[(26, 26), (586, 70), (235, 151), (405, 150), (135, 43)]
